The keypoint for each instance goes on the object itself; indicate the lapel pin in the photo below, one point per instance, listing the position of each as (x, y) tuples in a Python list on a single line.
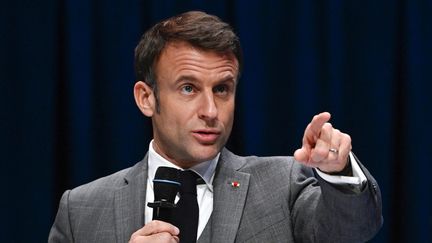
[(235, 184)]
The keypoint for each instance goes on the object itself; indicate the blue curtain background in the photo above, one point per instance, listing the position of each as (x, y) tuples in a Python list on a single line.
[(68, 115)]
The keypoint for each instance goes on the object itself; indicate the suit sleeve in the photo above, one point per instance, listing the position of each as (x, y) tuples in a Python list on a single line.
[(324, 212), (61, 229)]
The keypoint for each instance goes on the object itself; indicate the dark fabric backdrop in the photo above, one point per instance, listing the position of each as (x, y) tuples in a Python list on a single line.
[(68, 115)]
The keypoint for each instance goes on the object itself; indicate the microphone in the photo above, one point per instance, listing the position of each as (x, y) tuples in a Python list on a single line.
[(165, 186)]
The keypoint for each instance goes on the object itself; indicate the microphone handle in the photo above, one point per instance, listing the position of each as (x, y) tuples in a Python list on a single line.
[(162, 210), (162, 214)]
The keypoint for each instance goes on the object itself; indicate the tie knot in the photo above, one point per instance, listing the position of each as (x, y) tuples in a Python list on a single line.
[(188, 180)]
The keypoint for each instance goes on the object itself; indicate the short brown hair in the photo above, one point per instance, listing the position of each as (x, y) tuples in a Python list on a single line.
[(199, 29)]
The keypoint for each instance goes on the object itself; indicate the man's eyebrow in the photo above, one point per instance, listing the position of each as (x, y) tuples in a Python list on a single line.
[(228, 79), (188, 78), (193, 79)]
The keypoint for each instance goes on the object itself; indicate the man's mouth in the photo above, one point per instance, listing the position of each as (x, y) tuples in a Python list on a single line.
[(206, 136)]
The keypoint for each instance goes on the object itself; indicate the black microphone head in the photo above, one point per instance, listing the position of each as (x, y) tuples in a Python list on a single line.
[(166, 184)]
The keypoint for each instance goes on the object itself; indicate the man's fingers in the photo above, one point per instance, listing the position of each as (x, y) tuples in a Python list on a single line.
[(156, 231), (322, 145), (312, 134), (176, 239), (345, 146), (321, 151), (155, 227), (163, 237), (318, 121), (336, 161), (301, 155)]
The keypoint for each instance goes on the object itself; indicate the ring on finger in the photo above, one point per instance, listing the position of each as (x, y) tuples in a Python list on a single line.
[(334, 150)]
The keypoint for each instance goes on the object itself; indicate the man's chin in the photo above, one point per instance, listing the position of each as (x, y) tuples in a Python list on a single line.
[(207, 153), (195, 159)]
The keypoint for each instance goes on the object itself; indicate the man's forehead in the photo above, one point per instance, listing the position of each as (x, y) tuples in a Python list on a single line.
[(175, 46), (177, 53)]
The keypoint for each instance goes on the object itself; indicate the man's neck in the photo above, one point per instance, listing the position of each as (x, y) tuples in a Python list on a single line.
[(205, 169)]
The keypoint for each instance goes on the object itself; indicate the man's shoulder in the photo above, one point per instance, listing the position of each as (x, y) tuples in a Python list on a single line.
[(107, 184)]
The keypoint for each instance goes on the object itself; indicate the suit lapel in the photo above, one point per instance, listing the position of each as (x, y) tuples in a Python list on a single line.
[(228, 201), (230, 190), (129, 202)]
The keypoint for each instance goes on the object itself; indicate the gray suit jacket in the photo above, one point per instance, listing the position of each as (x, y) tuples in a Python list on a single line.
[(278, 200)]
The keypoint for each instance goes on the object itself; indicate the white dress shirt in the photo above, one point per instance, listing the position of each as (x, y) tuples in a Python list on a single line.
[(205, 191)]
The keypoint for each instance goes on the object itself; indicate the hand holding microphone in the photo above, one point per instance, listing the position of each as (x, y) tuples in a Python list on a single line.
[(166, 186), (156, 232)]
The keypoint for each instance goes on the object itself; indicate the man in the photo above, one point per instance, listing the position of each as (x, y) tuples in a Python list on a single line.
[(187, 70)]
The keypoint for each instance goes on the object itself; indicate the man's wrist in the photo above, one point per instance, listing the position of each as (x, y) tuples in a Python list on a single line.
[(346, 171), (357, 178)]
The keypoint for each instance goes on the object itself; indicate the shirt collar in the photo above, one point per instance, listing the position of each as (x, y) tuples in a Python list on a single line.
[(205, 169)]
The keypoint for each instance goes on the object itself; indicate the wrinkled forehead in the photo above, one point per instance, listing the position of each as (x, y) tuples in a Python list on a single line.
[(178, 50)]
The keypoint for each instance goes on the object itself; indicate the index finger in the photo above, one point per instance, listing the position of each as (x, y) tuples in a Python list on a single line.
[(314, 128)]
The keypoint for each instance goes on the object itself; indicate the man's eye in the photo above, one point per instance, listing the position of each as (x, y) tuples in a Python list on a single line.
[(220, 89), (187, 89)]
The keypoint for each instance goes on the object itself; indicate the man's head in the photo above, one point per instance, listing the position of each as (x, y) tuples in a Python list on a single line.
[(187, 71), (201, 30)]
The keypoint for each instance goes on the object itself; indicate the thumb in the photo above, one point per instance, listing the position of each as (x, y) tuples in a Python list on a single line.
[(301, 155)]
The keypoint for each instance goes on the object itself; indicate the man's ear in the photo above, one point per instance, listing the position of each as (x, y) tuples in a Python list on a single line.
[(145, 98)]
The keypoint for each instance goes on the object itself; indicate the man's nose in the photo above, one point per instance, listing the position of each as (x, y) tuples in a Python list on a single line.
[(208, 109)]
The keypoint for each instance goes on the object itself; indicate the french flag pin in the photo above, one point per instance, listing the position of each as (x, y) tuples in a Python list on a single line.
[(235, 184)]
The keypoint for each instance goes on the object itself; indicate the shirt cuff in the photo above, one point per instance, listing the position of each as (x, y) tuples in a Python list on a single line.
[(358, 177)]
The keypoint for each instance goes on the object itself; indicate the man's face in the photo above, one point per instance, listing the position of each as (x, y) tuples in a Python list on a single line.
[(196, 91)]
